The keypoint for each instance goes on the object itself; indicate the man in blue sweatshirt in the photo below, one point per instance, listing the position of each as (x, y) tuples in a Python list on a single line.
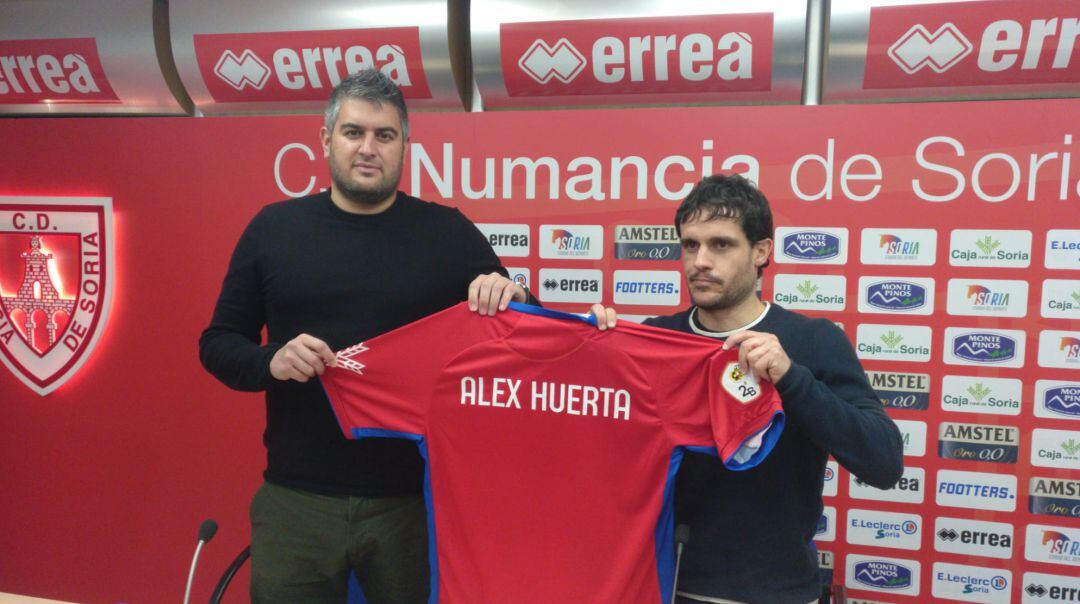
[(751, 532)]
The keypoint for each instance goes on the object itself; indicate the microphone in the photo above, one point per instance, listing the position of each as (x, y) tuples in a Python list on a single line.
[(682, 535), (207, 530)]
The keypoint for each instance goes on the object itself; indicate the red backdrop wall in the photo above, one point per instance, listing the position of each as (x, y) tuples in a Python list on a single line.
[(106, 480)]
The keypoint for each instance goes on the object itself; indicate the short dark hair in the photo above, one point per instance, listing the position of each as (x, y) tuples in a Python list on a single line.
[(730, 197), (369, 85)]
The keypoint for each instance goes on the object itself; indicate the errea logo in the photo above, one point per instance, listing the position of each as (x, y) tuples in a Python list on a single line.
[(305, 65), (655, 56), (561, 61), (918, 48), (51, 70), (570, 285), (995, 42), (1041, 587), (242, 71)]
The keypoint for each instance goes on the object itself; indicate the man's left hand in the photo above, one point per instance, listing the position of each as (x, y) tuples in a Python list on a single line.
[(490, 293), (606, 318), (761, 353)]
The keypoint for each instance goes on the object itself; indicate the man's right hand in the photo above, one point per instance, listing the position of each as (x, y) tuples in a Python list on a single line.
[(301, 359)]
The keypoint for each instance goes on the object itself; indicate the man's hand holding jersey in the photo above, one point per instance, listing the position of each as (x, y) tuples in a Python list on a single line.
[(306, 356), (491, 293), (760, 352), (301, 359)]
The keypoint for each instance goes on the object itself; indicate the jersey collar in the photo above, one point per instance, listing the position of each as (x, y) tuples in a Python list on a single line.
[(696, 327)]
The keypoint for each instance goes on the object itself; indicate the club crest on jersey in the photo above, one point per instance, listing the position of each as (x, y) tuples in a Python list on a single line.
[(742, 385), (56, 282)]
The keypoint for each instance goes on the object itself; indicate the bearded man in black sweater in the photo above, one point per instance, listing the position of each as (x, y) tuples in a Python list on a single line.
[(321, 273), (751, 532)]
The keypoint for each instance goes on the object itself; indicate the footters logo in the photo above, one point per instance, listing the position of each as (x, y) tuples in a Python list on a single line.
[(56, 276)]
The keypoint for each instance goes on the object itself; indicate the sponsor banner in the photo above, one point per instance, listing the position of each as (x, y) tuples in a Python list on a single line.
[(523, 277), (993, 347), (635, 318), (825, 559), (1063, 249), (826, 526), (884, 529), (1052, 544), (990, 249), (993, 43), (1057, 400), (646, 242), (896, 295), (832, 479), (56, 294), (660, 288), (1055, 448), (971, 583), (987, 298), (914, 436), (909, 489), (572, 242), (901, 390), (638, 55), (996, 396), (61, 70), (978, 442), (811, 245), (825, 566), (306, 65), (976, 490), (909, 247), (973, 537), (570, 285), (508, 240), (1041, 587), (1059, 349), (878, 573), (1054, 497), (893, 342), (810, 292), (1060, 299)]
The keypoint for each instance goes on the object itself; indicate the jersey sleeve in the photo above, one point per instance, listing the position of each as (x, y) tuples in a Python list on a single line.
[(746, 414), (383, 387), (708, 404)]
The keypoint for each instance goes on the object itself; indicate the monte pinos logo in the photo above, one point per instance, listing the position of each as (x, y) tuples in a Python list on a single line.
[(56, 283)]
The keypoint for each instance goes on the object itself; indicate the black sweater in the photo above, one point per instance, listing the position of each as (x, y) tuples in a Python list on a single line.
[(305, 266), (751, 531)]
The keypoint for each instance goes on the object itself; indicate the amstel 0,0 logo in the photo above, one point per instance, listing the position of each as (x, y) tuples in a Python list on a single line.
[(56, 280)]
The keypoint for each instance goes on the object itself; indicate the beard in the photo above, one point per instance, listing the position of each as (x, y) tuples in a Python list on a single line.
[(731, 294), (368, 195)]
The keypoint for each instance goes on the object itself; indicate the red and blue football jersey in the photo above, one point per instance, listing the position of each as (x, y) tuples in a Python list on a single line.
[(551, 446)]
